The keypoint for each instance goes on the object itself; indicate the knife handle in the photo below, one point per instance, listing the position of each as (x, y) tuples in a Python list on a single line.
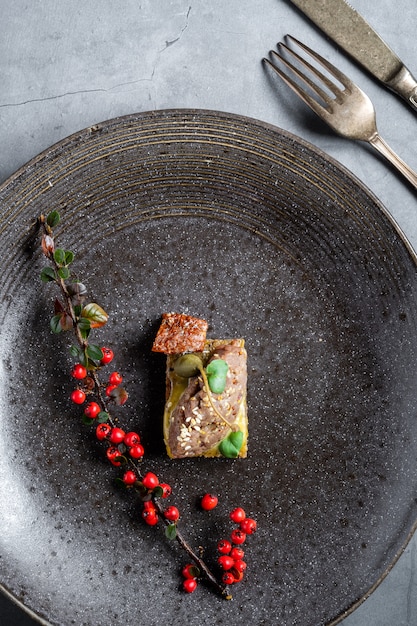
[(405, 85)]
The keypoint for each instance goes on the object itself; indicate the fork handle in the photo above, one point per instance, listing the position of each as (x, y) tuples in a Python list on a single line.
[(379, 144)]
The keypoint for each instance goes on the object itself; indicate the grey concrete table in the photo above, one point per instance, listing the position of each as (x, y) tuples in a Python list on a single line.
[(67, 65)]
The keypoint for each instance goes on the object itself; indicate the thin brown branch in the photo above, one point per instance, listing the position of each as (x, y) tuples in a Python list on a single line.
[(48, 249)]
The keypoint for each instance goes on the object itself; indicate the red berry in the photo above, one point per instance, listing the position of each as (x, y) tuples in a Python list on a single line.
[(150, 480), (209, 502), (131, 439), (136, 452), (113, 453), (150, 517), (248, 526), (117, 435), (166, 490), (225, 562), (78, 396), (237, 554), (102, 431), (107, 356), (240, 566), (115, 378), (190, 571), (92, 410), (189, 585), (237, 515), (238, 536), (172, 513), (236, 575), (228, 578), (129, 477), (224, 546), (79, 371), (110, 389), (150, 513), (149, 505)]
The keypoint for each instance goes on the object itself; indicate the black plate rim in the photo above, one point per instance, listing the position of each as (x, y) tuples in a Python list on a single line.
[(61, 145)]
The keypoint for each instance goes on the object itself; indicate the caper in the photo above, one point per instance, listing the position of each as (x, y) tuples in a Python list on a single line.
[(188, 365)]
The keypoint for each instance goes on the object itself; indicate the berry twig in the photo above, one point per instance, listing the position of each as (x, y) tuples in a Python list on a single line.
[(123, 449)]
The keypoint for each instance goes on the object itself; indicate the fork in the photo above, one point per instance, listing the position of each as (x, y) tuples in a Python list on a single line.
[(348, 111)]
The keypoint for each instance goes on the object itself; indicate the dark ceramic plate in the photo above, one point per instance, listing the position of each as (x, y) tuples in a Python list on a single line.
[(241, 223)]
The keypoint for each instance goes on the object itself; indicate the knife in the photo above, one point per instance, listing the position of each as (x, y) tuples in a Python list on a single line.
[(351, 32)]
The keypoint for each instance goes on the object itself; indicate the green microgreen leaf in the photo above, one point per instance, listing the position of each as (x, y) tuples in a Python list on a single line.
[(216, 375), (121, 459), (231, 445), (158, 492), (47, 275), (53, 219), (55, 324), (171, 531), (120, 483), (94, 352), (97, 316)]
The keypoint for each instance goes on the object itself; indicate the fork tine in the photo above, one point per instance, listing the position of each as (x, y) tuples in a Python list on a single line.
[(303, 77), (306, 97), (314, 71), (342, 78)]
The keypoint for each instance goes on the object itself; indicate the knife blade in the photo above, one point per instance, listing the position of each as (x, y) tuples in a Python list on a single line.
[(354, 35)]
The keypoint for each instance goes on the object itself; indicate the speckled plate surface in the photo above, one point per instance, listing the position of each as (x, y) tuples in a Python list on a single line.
[(267, 238)]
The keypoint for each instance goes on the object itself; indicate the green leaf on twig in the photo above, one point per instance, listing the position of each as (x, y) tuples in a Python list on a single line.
[(53, 219), (47, 275), (95, 314), (69, 257), (171, 531), (56, 324), (59, 256), (94, 352)]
